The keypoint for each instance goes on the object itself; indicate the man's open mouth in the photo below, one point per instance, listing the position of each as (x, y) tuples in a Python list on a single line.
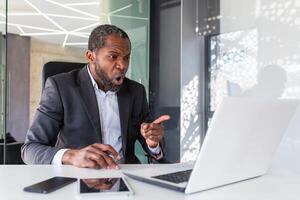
[(119, 79)]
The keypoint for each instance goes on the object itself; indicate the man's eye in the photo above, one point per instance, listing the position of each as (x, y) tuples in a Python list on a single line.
[(126, 58), (113, 57)]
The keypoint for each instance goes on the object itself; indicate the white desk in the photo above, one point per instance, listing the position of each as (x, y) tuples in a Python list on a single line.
[(275, 185)]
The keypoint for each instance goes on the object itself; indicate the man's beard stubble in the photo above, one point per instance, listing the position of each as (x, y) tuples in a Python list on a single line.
[(105, 81)]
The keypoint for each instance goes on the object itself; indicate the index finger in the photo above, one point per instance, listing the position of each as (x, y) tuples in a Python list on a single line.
[(161, 119), (108, 148), (145, 125)]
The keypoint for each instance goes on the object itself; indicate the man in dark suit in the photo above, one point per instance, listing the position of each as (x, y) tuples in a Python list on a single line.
[(93, 116)]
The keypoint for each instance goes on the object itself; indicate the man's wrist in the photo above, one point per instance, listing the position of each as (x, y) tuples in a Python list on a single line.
[(67, 157), (153, 146), (156, 150), (57, 159)]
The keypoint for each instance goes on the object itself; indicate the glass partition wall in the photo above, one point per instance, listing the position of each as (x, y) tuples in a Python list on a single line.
[(3, 17), (58, 30)]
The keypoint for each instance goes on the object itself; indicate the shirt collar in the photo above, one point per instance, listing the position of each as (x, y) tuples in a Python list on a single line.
[(94, 83)]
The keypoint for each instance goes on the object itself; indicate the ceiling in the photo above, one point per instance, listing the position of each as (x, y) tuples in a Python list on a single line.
[(67, 22)]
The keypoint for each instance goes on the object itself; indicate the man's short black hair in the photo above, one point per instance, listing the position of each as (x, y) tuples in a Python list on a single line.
[(98, 35)]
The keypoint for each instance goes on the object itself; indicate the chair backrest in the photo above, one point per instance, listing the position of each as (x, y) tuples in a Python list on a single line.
[(13, 153), (56, 67)]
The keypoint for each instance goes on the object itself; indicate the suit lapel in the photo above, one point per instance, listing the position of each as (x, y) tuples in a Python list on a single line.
[(88, 97), (124, 104)]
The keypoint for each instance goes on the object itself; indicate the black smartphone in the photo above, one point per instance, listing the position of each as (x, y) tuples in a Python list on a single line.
[(49, 185)]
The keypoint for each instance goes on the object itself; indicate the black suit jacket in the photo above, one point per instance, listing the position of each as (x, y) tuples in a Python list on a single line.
[(68, 117)]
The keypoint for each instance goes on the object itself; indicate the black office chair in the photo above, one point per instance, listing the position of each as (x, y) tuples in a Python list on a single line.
[(56, 67), (13, 149)]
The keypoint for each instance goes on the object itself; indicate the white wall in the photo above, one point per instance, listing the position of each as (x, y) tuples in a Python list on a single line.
[(41, 53)]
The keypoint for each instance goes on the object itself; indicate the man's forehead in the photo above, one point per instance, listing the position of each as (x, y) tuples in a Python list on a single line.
[(115, 40), (117, 43)]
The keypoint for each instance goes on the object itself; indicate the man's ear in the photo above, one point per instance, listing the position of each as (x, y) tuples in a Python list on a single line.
[(90, 55)]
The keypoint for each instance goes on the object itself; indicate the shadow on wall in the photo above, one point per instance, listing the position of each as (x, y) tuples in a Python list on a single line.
[(271, 81)]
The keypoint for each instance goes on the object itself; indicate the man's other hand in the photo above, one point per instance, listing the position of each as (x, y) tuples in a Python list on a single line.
[(154, 132), (93, 156)]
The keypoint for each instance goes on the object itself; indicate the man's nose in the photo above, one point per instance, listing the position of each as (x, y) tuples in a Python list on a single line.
[(121, 64)]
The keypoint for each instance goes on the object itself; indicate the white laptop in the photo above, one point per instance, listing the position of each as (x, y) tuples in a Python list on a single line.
[(240, 142)]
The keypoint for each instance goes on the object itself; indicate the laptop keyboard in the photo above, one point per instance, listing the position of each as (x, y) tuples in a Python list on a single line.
[(176, 177)]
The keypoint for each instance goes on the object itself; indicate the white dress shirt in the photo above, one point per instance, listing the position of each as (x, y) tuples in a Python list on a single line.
[(110, 122)]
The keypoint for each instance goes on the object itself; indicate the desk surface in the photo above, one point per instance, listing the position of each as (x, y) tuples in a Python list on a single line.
[(13, 178)]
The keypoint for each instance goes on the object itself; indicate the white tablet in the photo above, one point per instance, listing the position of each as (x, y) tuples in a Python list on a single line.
[(104, 186)]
